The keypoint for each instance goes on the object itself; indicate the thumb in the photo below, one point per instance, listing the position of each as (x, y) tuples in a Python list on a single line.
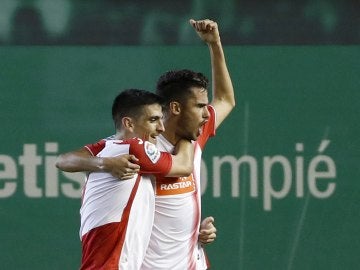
[(133, 158), (133, 162), (207, 221)]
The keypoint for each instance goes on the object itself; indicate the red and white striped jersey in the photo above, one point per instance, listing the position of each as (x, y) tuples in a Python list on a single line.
[(117, 216), (174, 238)]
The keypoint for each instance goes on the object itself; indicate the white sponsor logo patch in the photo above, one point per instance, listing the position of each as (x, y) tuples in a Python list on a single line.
[(152, 152)]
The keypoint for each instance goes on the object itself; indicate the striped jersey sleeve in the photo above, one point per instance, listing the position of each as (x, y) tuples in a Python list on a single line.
[(151, 159)]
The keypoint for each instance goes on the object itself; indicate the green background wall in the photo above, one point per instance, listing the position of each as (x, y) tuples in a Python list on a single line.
[(281, 177)]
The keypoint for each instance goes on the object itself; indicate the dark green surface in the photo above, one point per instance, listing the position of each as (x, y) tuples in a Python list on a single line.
[(285, 96)]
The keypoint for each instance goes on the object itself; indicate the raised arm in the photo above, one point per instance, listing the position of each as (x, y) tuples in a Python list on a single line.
[(81, 160), (223, 98)]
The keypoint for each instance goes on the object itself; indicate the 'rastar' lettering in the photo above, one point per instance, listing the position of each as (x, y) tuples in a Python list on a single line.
[(176, 185)]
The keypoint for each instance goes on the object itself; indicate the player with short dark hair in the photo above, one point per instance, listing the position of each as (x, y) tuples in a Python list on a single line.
[(117, 216), (178, 237)]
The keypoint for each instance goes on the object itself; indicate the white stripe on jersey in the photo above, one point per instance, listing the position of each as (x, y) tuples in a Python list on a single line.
[(174, 238), (173, 242)]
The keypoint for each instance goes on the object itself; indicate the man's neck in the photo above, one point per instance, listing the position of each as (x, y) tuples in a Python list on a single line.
[(171, 137), (121, 135), (170, 133)]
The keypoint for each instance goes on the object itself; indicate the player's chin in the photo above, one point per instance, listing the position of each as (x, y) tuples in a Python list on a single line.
[(193, 137)]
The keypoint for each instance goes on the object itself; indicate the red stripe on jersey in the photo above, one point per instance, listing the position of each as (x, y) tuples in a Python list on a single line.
[(207, 260), (102, 246), (208, 130), (194, 237), (197, 216)]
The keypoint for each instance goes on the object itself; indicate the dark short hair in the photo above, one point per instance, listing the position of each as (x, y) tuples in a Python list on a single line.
[(130, 103), (175, 85)]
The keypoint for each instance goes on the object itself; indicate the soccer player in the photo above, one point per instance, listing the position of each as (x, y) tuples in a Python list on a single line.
[(178, 236), (117, 216), (174, 240)]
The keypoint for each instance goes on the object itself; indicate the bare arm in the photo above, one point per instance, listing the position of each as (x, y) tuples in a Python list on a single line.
[(223, 92), (122, 166), (82, 161), (182, 160)]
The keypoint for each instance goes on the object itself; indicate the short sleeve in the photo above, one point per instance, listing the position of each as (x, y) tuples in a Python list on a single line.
[(96, 148), (151, 159)]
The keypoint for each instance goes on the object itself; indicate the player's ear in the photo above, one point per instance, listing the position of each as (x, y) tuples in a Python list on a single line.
[(175, 107), (128, 123)]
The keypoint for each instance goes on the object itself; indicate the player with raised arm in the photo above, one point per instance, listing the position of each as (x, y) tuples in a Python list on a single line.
[(174, 239), (178, 236)]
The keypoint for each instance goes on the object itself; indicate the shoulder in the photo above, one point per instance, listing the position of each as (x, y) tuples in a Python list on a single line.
[(95, 148), (141, 148)]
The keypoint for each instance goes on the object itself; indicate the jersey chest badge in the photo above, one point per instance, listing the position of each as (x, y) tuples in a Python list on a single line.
[(152, 152)]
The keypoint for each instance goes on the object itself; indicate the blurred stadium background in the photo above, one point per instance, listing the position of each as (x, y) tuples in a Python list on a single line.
[(161, 22), (282, 176)]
